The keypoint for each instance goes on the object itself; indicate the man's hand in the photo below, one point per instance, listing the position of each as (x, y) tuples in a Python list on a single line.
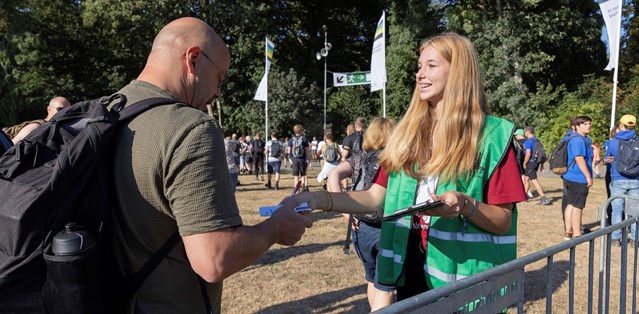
[(290, 224)]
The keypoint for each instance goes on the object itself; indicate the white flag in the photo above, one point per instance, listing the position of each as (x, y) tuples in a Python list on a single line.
[(262, 89), (611, 11), (378, 58)]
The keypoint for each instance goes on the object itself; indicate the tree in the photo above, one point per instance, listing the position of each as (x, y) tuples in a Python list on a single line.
[(291, 101), (527, 46), (410, 22)]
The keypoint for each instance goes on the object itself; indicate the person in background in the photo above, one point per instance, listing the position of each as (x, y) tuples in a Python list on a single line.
[(366, 228), (170, 167), (578, 179), (273, 150), (596, 159), (352, 143), (229, 148), (248, 158), (314, 149), (622, 185), (331, 154), (446, 148), (20, 131), (297, 147), (532, 165), (286, 158), (257, 152), (318, 152)]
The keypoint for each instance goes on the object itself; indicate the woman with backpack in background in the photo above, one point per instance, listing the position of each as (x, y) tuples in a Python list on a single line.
[(366, 228), (446, 148)]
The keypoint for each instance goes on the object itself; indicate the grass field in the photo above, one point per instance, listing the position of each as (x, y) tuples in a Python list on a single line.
[(315, 276)]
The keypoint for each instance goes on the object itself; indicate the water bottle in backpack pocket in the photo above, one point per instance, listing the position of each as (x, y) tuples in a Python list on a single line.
[(78, 275)]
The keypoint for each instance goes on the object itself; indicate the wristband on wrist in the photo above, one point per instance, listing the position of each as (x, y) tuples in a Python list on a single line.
[(466, 217), (330, 201)]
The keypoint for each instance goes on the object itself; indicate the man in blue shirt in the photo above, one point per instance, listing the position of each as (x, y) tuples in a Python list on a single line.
[(578, 178), (531, 165), (620, 184)]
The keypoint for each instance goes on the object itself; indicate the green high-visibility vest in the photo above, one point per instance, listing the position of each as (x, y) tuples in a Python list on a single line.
[(451, 255)]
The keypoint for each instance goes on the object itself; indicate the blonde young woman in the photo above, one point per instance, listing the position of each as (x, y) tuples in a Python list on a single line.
[(446, 147)]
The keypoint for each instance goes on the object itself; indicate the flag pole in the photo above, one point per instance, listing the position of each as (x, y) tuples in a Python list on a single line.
[(266, 103), (384, 105), (615, 75)]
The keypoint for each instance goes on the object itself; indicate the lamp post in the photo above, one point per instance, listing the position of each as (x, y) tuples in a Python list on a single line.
[(323, 53)]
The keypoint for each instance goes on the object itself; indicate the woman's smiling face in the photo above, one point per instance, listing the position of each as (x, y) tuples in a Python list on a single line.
[(432, 75)]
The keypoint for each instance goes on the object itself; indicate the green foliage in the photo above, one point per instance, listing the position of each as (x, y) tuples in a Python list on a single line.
[(348, 103), (542, 59)]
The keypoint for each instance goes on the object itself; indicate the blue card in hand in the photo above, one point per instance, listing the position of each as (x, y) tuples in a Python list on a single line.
[(266, 211)]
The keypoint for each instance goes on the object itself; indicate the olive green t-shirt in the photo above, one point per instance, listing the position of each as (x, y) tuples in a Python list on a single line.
[(170, 174)]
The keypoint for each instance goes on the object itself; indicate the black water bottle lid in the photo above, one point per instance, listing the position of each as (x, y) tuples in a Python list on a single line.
[(72, 240)]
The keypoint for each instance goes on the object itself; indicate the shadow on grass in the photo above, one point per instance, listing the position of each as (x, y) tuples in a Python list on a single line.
[(536, 280), (327, 302), (282, 254)]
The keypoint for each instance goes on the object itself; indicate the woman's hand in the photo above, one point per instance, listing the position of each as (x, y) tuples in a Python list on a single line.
[(315, 200), (492, 218), (455, 204)]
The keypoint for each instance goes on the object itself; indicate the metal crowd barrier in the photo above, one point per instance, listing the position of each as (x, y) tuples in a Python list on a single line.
[(494, 290)]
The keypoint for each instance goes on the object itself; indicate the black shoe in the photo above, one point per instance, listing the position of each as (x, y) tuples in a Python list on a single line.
[(544, 201), (268, 185)]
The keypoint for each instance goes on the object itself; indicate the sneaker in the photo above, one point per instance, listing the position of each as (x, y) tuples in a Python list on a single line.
[(277, 185), (530, 195), (544, 201), (567, 236)]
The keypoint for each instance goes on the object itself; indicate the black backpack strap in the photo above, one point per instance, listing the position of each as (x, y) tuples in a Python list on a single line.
[(134, 282), (129, 112), (205, 295)]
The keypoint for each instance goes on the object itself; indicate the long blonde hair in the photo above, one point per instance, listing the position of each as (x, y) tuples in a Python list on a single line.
[(424, 145), (377, 134)]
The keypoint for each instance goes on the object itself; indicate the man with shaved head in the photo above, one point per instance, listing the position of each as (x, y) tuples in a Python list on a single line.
[(55, 104), (171, 174)]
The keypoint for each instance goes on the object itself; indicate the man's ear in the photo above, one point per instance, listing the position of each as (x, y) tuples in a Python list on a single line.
[(192, 54)]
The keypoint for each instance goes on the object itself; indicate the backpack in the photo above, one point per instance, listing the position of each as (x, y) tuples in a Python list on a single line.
[(357, 144), (559, 158), (520, 154), (330, 153), (365, 180), (298, 146), (276, 149), (13, 130), (540, 153), (57, 184), (258, 146), (627, 161), (234, 147)]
